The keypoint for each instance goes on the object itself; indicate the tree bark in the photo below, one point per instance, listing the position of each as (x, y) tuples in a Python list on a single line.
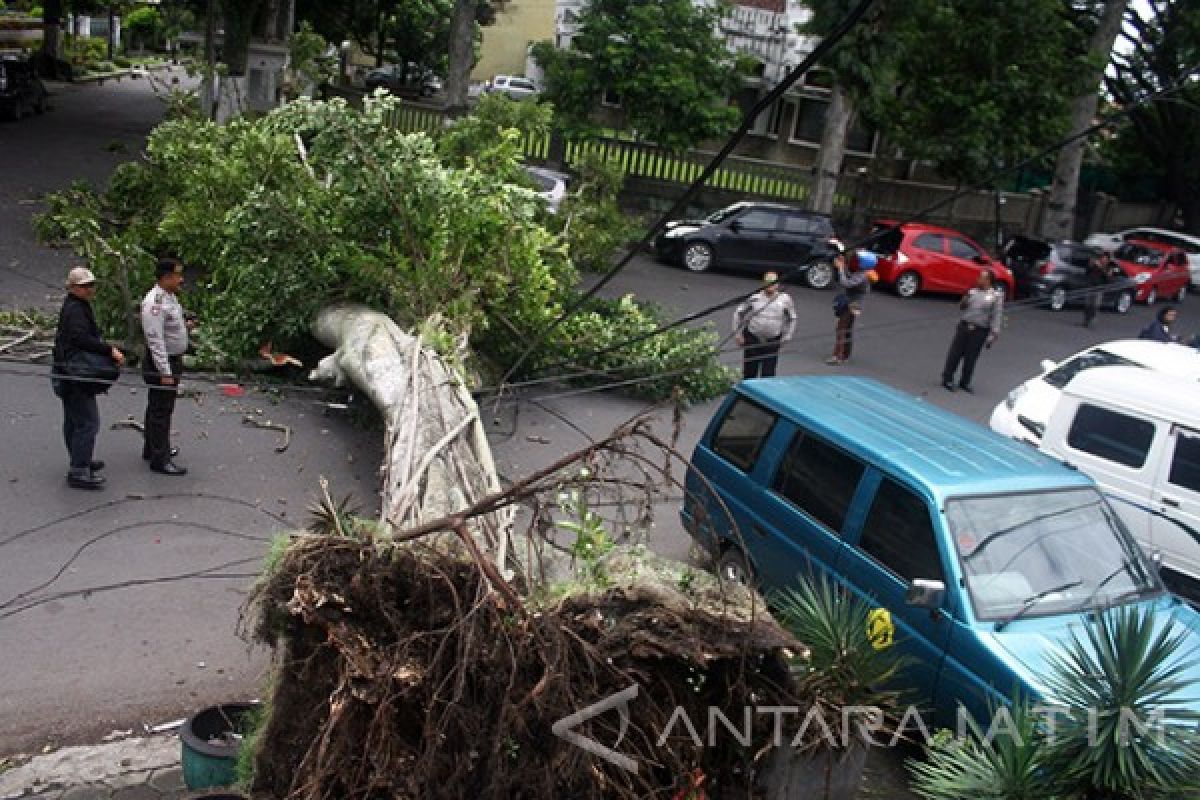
[(1059, 220), (437, 459), (52, 27), (239, 18), (461, 54), (833, 150)]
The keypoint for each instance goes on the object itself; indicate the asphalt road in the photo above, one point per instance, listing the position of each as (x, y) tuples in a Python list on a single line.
[(98, 631)]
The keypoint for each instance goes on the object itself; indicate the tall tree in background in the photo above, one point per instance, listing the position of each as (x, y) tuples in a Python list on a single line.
[(663, 61), (862, 66), (982, 82), (1059, 219), (460, 52), (1163, 137)]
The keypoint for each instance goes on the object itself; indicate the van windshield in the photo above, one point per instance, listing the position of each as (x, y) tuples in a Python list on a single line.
[(1046, 553)]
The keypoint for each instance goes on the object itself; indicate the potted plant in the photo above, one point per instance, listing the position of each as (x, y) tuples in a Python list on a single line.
[(843, 668)]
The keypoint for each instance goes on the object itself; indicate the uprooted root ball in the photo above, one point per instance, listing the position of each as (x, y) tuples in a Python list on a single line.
[(401, 674)]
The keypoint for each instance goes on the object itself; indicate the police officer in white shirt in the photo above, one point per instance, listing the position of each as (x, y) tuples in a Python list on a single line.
[(165, 326), (761, 325)]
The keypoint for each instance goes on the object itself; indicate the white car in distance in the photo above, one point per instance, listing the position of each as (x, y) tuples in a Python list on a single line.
[(1023, 414)]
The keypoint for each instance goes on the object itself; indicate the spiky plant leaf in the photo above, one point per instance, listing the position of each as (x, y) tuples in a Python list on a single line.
[(1127, 668)]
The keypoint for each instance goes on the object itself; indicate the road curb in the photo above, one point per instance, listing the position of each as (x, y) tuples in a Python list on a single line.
[(98, 771)]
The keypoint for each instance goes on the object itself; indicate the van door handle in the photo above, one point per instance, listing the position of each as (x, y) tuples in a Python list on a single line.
[(1170, 501)]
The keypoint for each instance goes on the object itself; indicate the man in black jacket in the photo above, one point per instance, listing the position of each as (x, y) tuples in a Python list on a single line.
[(78, 332)]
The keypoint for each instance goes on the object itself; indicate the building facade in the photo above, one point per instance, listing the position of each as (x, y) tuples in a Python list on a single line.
[(505, 47)]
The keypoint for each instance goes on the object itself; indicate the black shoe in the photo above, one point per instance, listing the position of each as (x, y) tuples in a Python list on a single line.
[(146, 453), (168, 468), (948, 386), (84, 479), (96, 466), (966, 388)]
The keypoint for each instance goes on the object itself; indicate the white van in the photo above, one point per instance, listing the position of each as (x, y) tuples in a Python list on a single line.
[(1137, 434)]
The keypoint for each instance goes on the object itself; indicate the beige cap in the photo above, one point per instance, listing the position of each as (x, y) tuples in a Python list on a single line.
[(80, 276)]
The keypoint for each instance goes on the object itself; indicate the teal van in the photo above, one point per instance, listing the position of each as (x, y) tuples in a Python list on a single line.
[(984, 553)]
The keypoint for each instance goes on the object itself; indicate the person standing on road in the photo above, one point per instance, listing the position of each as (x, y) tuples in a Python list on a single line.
[(166, 330), (1099, 273), (761, 325), (979, 325), (78, 332), (854, 276), (1160, 329)]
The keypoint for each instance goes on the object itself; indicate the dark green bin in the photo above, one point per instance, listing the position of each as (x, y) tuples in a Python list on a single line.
[(208, 764)]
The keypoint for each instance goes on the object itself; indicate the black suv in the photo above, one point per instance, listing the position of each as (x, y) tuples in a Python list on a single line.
[(1057, 272), (754, 237), (21, 91)]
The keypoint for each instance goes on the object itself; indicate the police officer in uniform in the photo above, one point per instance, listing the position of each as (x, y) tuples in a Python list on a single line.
[(166, 330)]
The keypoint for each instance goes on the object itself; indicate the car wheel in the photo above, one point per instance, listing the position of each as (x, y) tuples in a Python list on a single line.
[(908, 284), (1152, 296), (1058, 299), (732, 567), (1123, 303), (698, 256), (819, 275), (1181, 294)]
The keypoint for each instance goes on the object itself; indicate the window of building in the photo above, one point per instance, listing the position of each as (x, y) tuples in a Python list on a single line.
[(819, 479), (810, 124), (899, 535), (742, 434), (1111, 435)]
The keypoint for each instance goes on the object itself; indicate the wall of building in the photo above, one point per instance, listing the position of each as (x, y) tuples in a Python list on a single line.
[(507, 40)]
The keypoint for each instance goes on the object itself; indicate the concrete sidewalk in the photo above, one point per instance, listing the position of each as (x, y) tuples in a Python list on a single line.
[(131, 769)]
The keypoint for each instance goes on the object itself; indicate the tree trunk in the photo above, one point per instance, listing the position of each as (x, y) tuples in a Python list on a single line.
[(461, 54), (437, 459), (52, 27), (833, 150), (378, 33), (112, 32), (239, 18), (1059, 220)]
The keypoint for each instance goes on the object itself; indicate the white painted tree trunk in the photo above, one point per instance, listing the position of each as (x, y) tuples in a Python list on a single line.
[(437, 459), (230, 101), (833, 150), (1059, 220)]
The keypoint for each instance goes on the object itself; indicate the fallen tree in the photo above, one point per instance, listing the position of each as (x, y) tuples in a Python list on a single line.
[(420, 657)]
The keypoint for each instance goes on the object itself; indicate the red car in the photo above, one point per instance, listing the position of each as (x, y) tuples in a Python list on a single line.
[(1159, 270), (917, 257)]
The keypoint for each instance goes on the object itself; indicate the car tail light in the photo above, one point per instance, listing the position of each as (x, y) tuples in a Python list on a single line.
[(901, 258), (1046, 267)]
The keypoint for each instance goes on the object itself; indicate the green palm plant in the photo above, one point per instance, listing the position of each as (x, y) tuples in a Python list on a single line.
[(1007, 763), (843, 667), (1127, 666)]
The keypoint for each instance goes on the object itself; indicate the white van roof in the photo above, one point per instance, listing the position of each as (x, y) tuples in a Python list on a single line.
[(1141, 392), (1174, 359)]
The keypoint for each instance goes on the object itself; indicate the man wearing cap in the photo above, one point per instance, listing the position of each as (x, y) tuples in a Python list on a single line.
[(166, 330), (78, 332), (760, 325)]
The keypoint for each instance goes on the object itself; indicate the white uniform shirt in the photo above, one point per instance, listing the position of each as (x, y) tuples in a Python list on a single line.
[(164, 328)]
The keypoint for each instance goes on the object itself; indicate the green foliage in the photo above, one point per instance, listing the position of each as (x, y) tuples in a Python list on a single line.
[(144, 25), (980, 82), (1127, 664), (1007, 763), (272, 233), (490, 139), (1160, 48), (590, 219), (84, 52), (592, 541), (664, 61), (306, 55)]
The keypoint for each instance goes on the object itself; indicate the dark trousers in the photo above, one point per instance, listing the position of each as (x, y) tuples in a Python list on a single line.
[(843, 337), (760, 356), (1091, 302), (81, 423), (160, 405), (967, 345)]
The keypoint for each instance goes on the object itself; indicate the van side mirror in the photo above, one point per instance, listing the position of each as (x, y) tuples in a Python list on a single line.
[(981, 259), (1047, 365), (925, 594)]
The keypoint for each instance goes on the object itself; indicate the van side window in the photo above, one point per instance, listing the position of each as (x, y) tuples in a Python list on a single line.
[(1185, 464), (742, 434), (899, 535), (819, 479), (1111, 435)]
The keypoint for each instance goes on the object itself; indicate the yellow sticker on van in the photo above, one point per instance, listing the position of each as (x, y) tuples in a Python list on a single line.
[(881, 631)]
